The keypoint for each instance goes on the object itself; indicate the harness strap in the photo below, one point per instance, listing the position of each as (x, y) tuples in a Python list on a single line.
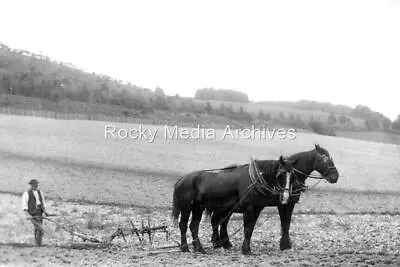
[(253, 171), (259, 183), (308, 175)]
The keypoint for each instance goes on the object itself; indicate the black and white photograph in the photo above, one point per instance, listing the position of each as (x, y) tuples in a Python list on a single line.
[(200, 133)]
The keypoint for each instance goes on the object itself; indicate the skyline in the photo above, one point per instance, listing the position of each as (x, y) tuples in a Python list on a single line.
[(348, 48)]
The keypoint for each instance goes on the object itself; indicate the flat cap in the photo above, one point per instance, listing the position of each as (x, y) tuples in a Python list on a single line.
[(33, 181)]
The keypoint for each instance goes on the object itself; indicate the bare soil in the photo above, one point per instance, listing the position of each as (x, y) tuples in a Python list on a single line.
[(319, 239)]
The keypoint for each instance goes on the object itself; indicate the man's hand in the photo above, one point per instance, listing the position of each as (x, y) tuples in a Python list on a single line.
[(45, 212), (27, 215)]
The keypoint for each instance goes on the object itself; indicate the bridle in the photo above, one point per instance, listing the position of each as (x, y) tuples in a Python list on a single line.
[(319, 178), (324, 174), (322, 177), (310, 175)]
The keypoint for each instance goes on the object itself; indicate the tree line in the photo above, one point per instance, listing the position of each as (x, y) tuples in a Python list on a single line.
[(31, 75), (372, 120), (221, 94)]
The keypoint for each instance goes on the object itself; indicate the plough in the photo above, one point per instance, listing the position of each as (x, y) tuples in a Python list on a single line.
[(140, 232), (123, 232), (72, 229)]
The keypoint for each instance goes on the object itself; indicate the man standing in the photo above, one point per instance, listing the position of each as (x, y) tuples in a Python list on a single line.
[(33, 205)]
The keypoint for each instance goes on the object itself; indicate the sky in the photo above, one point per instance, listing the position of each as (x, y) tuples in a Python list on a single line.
[(343, 52)]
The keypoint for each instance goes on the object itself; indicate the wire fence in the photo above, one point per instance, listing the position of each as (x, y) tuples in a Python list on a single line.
[(101, 117), (68, 115)]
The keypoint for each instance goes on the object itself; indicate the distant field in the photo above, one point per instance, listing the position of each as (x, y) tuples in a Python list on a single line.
[(380, 137), (274, 111), (362, 165)]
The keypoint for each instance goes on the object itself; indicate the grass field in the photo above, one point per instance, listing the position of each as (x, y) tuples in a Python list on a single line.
[(362, 165), (89, 177)]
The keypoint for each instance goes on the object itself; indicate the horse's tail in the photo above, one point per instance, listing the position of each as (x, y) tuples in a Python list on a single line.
[(175, 208)]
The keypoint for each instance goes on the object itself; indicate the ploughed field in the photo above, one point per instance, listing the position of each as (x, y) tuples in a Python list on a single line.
[(102, 183), (319, 239)]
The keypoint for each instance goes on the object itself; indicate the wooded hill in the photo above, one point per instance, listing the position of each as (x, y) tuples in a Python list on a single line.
[(63, 86)]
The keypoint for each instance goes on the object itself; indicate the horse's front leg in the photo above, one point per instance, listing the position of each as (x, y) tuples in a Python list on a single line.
[(197, 212), (250, 216), (285, 213)]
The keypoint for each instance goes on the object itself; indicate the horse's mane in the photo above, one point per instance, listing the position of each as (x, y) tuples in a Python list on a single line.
[(310, 154), (304, 154), (268, 168), (229, 168)]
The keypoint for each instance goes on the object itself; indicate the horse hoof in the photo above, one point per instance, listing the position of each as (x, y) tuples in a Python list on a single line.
[(197, 247), (227, 245), (185, 248), (285, 245), (246, 251)]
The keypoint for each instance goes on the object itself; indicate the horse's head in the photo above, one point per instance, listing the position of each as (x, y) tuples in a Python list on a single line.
[(285, 174), (324, 165)]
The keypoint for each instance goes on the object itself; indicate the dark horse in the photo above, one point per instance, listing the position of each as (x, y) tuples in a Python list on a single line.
[(231, 188), (306, 162)]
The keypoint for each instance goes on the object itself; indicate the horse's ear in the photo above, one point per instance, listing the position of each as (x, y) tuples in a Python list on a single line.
[(281, 160), (316, 147)]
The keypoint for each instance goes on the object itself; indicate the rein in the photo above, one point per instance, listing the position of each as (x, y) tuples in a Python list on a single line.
[(304, 187), (255, 176), (308, 175), (314, 176)]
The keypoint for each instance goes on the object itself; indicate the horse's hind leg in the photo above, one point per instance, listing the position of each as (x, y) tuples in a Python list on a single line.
[(194, 228), (224, 238), (183, 225), (215, 239)]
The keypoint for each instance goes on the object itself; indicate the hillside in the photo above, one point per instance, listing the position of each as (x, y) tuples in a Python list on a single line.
[(32, 81)]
